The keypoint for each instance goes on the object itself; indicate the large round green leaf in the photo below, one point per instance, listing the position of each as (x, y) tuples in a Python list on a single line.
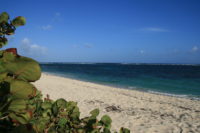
[(106, 120), (61, 103), (18, 118), (17, 105), (4, 17), (19, 21), (94, 113), (22, 89), (23, 68)]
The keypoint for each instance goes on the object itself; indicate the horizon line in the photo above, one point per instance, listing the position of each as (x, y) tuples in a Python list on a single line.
[(120, 63)]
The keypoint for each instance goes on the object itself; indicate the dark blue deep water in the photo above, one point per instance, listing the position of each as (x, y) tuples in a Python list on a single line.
[(180, 80)]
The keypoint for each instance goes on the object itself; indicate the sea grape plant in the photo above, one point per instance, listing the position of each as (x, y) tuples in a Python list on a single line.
[(22, 108)]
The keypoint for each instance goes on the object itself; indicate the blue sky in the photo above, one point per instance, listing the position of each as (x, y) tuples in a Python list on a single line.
[(127, 31)]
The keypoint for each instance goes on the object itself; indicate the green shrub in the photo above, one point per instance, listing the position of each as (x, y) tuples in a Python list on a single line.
[(22, 108)]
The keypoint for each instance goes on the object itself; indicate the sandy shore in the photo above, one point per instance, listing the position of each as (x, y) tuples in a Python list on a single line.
[(141, 112)]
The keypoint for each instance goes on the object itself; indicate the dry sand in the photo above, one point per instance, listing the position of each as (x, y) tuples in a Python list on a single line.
[(141, 112)]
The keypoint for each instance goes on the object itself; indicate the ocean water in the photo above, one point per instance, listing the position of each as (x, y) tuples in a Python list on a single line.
[(175, 80)]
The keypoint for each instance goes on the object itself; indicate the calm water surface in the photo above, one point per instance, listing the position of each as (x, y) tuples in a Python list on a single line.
[(180, 80)]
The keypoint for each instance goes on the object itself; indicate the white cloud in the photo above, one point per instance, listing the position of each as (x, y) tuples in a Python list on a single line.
[(47, 27), (88, 45), (154, 29), (25, 41), (194, 49), (32, 49), (142, 51), (56, 17)]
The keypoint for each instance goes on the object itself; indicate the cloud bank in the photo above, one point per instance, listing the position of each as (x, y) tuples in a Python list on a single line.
[(154, 29), (47, 27), (32, 49), (195, 49)]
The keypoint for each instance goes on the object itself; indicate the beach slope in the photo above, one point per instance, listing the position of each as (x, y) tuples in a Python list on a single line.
[(141, 112)]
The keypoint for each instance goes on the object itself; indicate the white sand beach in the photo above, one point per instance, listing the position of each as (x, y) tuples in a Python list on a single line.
[(141, 112)]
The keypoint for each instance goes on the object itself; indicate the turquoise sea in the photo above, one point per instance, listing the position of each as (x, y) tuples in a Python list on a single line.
[(167, 79)]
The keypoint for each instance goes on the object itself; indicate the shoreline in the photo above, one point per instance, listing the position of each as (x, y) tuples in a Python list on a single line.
[(141, 112), (132, 88)]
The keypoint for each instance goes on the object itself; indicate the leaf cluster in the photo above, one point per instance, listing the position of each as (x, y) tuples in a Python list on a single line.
[(8, 27)]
